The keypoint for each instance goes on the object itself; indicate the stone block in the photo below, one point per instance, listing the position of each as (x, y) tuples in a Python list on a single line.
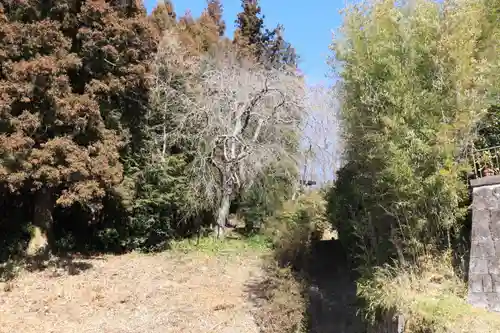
[(482, 249), (480, 224), (487, 197), (485, 181), (487, 283), (484, 265), (494, 266), (475, 284), (495, 224), (478, 266), (495, 280), (493, 301), (478, 300), (496, 248), (480, 198)]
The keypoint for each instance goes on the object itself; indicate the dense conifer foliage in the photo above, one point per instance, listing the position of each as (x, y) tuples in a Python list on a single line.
[(76, 127), (72, 76)]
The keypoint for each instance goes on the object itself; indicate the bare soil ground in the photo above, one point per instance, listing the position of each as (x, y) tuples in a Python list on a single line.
[(135, 293)]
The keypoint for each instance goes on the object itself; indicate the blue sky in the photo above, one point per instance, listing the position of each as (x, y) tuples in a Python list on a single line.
[(308, 25)]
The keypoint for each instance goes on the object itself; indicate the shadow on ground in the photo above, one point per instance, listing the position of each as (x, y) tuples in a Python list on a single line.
[(69, 263), (331, 289), (327, 285)]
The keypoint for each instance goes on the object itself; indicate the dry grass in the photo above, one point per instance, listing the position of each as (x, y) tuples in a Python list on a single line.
[(281, 300), (178, 291), (430, 296)]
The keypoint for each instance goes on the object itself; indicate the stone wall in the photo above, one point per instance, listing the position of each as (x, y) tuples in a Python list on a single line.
[(484, 265)]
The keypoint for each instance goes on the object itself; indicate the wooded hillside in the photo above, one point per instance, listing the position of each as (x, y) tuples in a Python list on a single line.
[(116, 132)]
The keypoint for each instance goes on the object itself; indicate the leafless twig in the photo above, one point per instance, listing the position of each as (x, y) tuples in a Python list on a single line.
[(235, 120)]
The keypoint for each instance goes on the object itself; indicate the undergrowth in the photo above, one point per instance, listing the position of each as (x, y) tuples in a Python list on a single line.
[(284, 305), (430, 296), (291, 232), (295, 227)]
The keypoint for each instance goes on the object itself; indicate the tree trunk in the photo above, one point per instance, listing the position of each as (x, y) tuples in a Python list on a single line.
[(42, 238), (223, 214)]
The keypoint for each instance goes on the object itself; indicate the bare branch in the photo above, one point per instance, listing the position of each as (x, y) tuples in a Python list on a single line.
[(236, 121)]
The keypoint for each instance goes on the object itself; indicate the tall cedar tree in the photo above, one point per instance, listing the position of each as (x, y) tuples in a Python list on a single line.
[(278, 52), (71, 74), (201, 35), (249, 35), (265, 46), (215, 12), (163, 15)]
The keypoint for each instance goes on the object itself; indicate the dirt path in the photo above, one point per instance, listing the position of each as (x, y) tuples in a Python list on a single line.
[(135, 293)]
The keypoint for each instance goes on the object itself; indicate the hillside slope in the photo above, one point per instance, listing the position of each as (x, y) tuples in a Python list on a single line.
[(136, 293)]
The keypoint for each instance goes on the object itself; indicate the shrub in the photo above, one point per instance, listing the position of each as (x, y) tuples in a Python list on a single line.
[(295, 226), (266, 195), (405, 130), (429, 295)]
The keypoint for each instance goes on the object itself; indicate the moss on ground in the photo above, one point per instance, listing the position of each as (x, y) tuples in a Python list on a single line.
[(233, 244)]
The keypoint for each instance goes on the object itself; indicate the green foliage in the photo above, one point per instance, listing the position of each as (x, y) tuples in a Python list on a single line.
[(161, 198), (489, 129), (262, 45), (416, 81), (400, 192), (429, 295), (86, 129), (266, 196), (232, 246), (249, 34), (151, 211), (294, 227)]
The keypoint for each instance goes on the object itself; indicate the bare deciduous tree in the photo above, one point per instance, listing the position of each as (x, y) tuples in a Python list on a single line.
[(321, 139), (235, 119)]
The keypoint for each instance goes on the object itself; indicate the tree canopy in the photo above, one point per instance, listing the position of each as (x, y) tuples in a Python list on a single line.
[(77, 127), (72, 75), (405, 129)]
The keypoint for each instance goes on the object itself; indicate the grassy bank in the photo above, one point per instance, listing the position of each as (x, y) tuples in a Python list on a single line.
[(430, 296)]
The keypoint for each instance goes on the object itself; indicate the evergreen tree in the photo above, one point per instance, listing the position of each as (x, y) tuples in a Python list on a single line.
[(264, 46), (215, 11), (249, 35), (163, 15), (278, 52), (73, 87), (203, 34)]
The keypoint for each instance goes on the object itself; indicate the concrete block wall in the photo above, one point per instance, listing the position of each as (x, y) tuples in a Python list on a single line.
[(484, 264)]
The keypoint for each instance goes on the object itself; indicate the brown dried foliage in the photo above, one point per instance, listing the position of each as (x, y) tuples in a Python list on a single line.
[(163, 16), (203, 34), (73, 82)]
